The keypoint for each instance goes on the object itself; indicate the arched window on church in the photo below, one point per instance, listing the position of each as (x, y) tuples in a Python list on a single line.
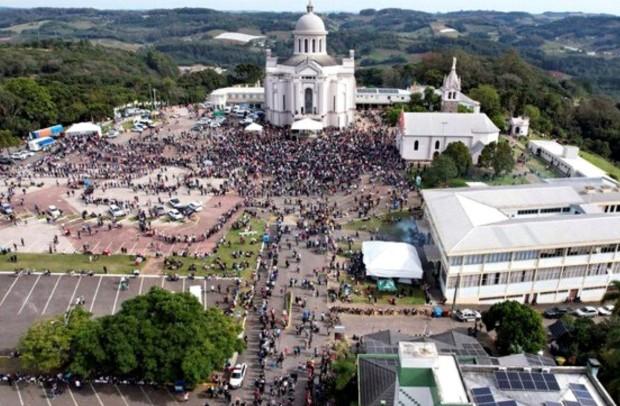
[(299, 45), (313, 46), (436, 144), (320, 45), (306, 45), (416, 145)]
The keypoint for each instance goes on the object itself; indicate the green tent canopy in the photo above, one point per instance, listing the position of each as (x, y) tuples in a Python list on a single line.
[(219, 113), (386, 285)]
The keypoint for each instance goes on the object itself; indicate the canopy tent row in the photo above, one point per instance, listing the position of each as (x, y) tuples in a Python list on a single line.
[(307, 124), (254, 128), (385, 259), (86, 128)]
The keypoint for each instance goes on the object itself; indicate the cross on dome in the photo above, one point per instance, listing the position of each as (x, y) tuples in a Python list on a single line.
[(310, 7)]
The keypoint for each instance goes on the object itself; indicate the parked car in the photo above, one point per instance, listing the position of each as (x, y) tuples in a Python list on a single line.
[(467, 315), (116, 211), (587, 311), (237, 376), (54, 212), (175, 203), (159, 210), (195, 206), (606, 310), (6, 208), (5, 160), (555, 312), (175, 215), (21, 155), (112, 134)]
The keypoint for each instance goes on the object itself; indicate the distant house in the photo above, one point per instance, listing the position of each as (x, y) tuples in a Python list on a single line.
[(422, 136), (239, 37), (565, 158), (519, 126)]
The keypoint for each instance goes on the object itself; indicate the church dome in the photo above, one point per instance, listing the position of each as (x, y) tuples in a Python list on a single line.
[(310, 23)]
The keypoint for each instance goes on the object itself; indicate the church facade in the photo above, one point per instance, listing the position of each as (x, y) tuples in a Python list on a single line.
[(310, 84)]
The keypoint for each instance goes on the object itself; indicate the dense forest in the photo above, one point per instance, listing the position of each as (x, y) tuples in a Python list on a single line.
[(46, 82), (66, 65), (583, 47)]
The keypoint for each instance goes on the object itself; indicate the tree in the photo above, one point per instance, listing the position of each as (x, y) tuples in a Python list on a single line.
[(614, 294), (584, 340), (441, 171), (610, 357), (161, 337), (7, 139), (246, 73), (503, 160), (519, 328), (487, 155), (46, 345), (533, 113), (460, 155), (488, 97)]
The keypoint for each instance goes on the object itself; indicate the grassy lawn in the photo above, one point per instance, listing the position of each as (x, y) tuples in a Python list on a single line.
[(120, 264), (376, 223), (411, 295), (540, 168), (232, 243), (609, 167)]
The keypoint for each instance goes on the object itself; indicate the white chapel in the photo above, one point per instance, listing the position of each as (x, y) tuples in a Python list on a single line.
[(310, 85)]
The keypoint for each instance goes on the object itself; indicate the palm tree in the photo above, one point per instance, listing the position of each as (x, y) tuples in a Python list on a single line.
[(614, 294)]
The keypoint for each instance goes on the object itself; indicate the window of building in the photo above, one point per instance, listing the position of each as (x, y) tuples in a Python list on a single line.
[(456, 260), (283, 102), (473, 259), (599, 269), (497, 257), (469, 281), (306, 45), (525, 255), (576, 271), (551, 210), (527, 212), (521, 276), (556, 252), (604, 249), (299, 45), (334, 109), (313, 46), (547, 274), (436, 144), (616, 267), (416, 145), (578, 251), (320, 45), (451, 284)]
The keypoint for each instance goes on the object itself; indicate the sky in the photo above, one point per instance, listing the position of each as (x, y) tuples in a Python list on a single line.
[(532, 6)]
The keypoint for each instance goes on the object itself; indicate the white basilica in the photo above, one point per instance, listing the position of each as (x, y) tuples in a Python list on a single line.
[(310, 84)]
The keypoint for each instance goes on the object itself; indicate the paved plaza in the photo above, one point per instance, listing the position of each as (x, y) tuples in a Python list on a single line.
[(27, 298)]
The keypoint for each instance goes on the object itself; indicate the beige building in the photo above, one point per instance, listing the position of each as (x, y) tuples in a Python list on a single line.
[(542, 243)]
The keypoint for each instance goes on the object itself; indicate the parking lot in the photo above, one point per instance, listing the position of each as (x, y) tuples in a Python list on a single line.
[(27, 298)]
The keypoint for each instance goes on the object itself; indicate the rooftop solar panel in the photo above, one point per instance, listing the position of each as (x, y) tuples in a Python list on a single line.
[(527, 381), (507, 403)]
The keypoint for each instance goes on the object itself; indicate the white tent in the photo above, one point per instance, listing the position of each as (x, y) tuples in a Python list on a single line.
[(307, 124), (254, 128), (84, 129), (391, 260)]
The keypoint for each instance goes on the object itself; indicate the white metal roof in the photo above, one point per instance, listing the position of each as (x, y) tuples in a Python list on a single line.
[(448, 124), (478, 220), (238, 89), (578, 164), (238, 37), (391, 260)]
